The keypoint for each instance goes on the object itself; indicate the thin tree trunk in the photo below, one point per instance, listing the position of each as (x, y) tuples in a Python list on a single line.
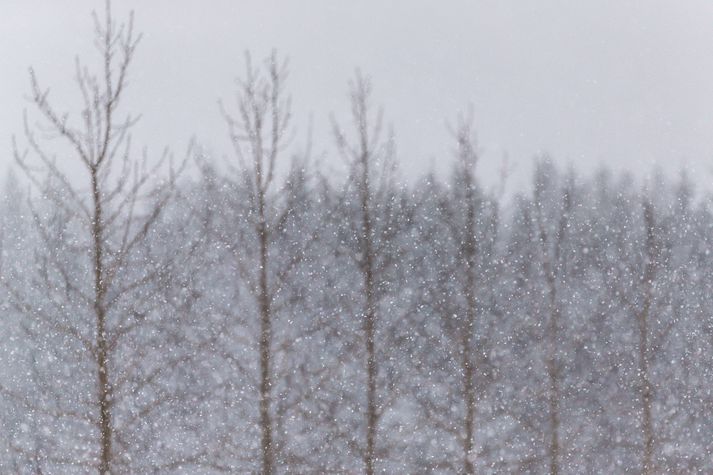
[(102, 355), (265, 343), (551, 360), (469, 399), (553, 375), (369, 323), (372, 414), (643, 324), (645, 394), (467, 342), (551, 264)]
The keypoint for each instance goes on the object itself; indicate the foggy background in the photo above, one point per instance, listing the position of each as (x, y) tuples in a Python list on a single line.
[(623, 83), (247, 323)]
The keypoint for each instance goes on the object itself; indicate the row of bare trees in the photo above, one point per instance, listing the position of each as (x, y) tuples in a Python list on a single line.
[(258, 316)]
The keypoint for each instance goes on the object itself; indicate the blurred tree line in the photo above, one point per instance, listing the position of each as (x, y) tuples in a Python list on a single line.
[(260, 316)]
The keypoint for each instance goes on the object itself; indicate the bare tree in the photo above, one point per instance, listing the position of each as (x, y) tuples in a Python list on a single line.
[(259, 133), (466, 162), (461, 247), (100, 276), (551, 242), (639, 287), (643, 316), (370, 163)]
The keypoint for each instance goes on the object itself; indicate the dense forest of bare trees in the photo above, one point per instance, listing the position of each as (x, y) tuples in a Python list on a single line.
[(256, 315)]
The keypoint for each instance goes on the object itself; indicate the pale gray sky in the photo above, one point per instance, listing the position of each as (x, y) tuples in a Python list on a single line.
[(625, 83)]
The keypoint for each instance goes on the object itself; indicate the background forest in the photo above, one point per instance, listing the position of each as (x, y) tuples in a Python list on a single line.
[(257, 315)]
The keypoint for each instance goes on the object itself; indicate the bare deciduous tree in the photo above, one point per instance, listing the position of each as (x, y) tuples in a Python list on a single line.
[(97, 278), (467, 159), (259, 133), (551, 249), (643, 316), (370, 164), (464, 252)]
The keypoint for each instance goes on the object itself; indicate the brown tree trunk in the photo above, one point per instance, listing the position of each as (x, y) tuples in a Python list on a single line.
[(102, 354), (553, 376), (467, 350), (551, 264), (645, 394), (265, 342), (369, 323), (469, 399)]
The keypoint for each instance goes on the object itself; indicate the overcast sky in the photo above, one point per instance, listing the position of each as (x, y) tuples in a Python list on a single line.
[(623, 83)]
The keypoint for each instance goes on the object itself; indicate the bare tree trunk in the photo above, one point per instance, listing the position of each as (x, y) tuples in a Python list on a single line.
[(642, 318), (553, 391), (265, 343), (470, 251), (369, 318), (102, 356), (468, 395), (553, 376), (552, 263), (645, 395)]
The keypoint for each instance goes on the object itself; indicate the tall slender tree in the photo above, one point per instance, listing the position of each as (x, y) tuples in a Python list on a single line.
[(460, 235), (91, 304), (370, 161), (551, 240), (260, 133), (643, 324)]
